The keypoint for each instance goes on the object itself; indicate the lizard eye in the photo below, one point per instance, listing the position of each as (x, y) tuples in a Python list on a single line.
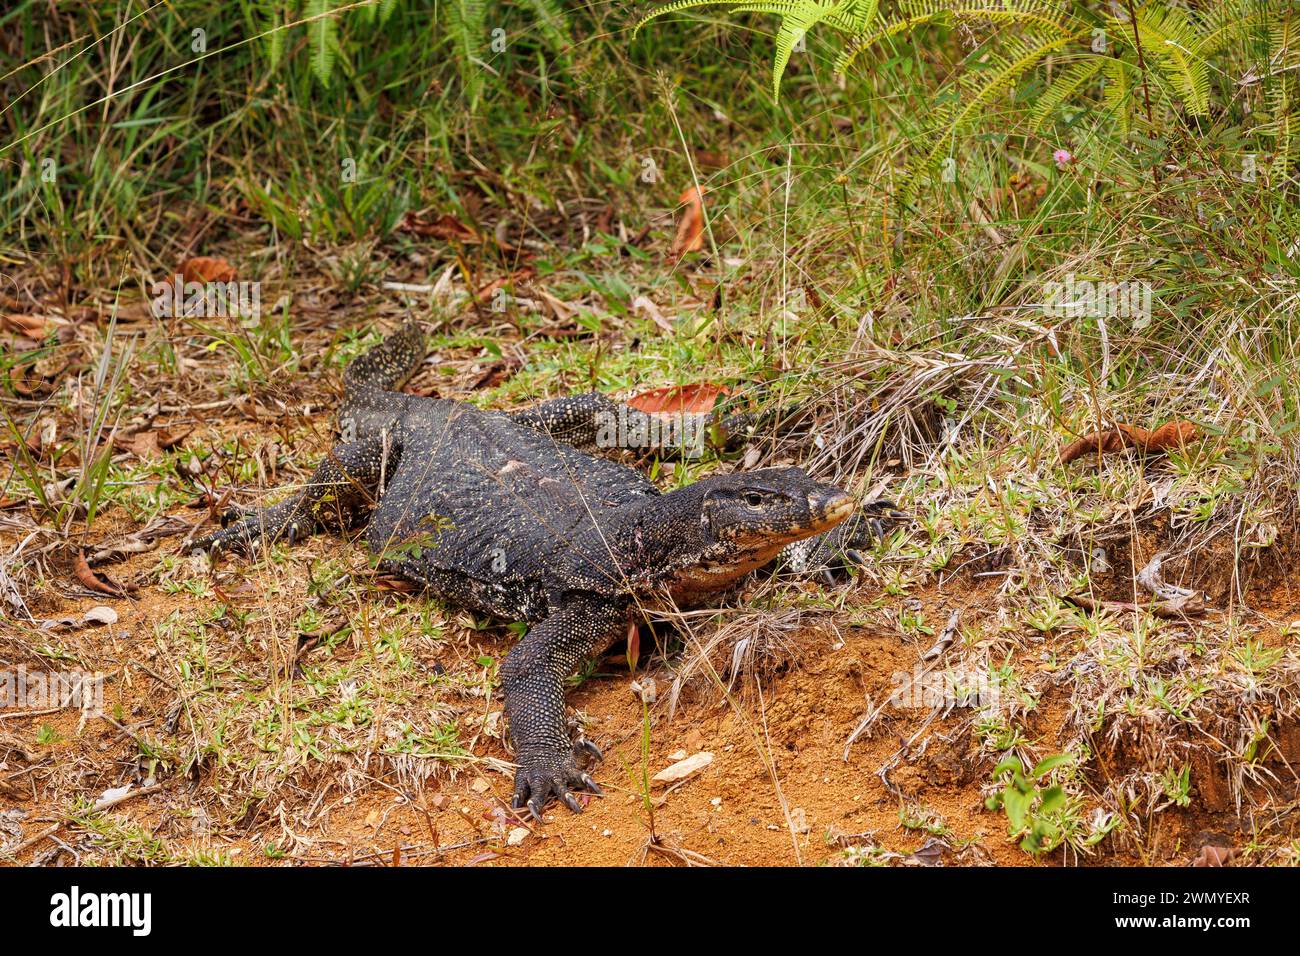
[(753, 499)]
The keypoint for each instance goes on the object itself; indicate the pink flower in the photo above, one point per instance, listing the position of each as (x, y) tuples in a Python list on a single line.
[(1063, 158)]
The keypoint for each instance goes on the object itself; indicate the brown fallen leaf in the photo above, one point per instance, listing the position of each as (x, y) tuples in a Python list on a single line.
[(930, 853), (206, 269), (150, 442), (645, 304), (446, 227), (1173, 434), (484, 294), (690, 228), (31, 326), (495, 374), (388, 583), (710, 158), (36, 378), (562, 311), (100, 583), (680, 399)]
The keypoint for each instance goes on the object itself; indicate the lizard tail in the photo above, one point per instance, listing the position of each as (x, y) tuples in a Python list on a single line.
[(388, 364)]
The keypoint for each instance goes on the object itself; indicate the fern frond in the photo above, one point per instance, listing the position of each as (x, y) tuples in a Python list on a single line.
[(1227, 20), (797, 18), (323, 40), (1170, 44), (1062, 88), (1117, 92), (1283, 89), (552, 24), (1039, 15), (779, 8), (467, 23), (1020, 55)]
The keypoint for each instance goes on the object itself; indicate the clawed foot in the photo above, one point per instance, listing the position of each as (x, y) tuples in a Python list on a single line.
[(832, 555), (247, 530), (544, 774)]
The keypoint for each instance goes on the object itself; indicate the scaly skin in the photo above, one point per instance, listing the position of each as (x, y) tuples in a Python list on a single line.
[(508, 515)]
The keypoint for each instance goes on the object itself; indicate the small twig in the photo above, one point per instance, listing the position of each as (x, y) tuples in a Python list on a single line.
[(30, 713), (31, 841)]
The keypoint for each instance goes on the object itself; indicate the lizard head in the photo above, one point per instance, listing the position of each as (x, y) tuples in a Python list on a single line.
[(767, 509)]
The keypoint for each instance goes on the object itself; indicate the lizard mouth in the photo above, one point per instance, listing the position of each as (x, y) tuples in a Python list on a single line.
[(832, 508)]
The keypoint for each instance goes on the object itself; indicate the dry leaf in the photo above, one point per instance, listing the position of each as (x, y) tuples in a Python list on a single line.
[(562, 311), (645, 304), (1216, 856), (205, 269), (31, 326), (679, 399), (710, 158), (101, 583), (485, 293), (100, 614), (690, 228), (1173, 434), (446, 227)]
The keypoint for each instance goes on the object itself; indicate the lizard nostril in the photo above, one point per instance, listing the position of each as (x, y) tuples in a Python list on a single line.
[(833, 506)]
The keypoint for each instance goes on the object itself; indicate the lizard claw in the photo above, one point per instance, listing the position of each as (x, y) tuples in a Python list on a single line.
[(544, 775), (585, 746)]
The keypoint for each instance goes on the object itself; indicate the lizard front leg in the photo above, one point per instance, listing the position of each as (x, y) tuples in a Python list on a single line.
[(344, 486), (532, 677)]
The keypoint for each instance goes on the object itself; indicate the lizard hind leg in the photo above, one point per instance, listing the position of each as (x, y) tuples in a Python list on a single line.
[(532, 677), (344, 488)]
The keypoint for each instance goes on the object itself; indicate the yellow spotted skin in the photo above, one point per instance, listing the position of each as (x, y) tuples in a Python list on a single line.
[(509, 515)]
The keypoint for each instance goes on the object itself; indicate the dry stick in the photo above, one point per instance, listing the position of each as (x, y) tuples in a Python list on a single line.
[(30, 713), (110, 802), (31, 841), (1142, 65)]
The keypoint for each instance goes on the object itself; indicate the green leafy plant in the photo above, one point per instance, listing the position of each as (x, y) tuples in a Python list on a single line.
[(1032, 804), (849, 17), (1136, 66)]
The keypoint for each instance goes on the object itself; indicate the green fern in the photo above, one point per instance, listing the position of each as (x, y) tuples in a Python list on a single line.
[(1169, 37), (1117, 92), (1284, 87), (1064, 87), (467, 23), (797, 18), (1019, 56), (322, 33), (552, 24), (914, 14)]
